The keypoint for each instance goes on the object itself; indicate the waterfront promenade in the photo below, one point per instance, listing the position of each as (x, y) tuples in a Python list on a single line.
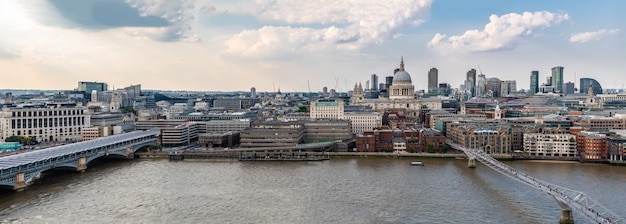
[(165, 154)]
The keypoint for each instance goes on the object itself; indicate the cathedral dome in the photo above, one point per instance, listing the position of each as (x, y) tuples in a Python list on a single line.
[(402, 77), (401, 87)]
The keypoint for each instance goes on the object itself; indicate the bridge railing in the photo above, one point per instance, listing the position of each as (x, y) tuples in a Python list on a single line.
[(572, 199)]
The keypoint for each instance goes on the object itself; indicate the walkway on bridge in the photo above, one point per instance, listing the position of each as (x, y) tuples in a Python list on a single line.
[(566, 198)]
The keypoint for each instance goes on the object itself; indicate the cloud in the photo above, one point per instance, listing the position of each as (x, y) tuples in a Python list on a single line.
[(159, 20), (502, 32), (8, 54), (329, 24), (588, 36), (102, 14)]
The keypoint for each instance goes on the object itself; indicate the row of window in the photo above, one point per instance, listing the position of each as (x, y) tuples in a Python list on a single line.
[(46, 113), (47, 122), (61, 131)]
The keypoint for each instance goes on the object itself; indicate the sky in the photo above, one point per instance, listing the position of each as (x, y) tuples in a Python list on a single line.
[(294, 45)]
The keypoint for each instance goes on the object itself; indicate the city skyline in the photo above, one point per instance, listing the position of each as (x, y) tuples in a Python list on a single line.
[(229, 46)]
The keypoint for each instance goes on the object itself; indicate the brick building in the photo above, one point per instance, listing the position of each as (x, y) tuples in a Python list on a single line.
[(592, 146), (388, 140)]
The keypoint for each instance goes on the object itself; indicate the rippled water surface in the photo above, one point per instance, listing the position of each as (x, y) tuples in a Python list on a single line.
[(363, 190)]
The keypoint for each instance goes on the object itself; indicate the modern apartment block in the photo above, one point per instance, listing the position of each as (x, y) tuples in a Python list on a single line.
[(550, 143)]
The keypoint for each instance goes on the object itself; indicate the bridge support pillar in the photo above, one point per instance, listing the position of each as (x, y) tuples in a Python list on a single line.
[(82, 164), (566, 217), (471, 163), (129, 152), (20, 182)]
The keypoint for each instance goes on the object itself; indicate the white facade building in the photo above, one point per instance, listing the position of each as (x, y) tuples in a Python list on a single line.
[(334, 109), (327, 109), (51, 123), (550, 145), (364, 121)]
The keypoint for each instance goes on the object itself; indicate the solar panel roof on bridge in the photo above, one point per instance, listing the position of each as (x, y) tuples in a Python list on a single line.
[(52, 152)]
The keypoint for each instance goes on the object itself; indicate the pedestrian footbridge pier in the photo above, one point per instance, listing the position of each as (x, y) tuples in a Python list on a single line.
[(19, 170), (569, 200)]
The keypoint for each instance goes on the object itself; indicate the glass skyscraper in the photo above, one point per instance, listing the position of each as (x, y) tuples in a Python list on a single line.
[(433, 79), (586, 82), (534, 82), (557, 79)]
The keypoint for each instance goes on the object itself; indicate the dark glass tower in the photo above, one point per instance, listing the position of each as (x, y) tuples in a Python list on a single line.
[(534, 82), (557, 79), (433, 79), (584, 86)]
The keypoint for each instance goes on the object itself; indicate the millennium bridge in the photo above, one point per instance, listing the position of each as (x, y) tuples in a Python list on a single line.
[(18, 171), (569, 200)]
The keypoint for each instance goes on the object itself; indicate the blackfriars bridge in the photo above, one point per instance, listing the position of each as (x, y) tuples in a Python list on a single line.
[(569, 200), (18, 171)]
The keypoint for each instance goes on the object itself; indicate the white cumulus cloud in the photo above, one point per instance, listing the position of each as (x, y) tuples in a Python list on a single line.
[(588, 36), (502, 32), (179, 13), (325, 24)]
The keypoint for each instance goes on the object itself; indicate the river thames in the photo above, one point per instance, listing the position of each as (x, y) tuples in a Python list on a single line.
[(363, 190)]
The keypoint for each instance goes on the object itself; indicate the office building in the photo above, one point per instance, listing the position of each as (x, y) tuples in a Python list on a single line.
[(470, 85), (481, 84), (388, 81), (334, 109), (374, 82), (433, 79), (493, 87), (89, 87), (45, 123), (252, 92), (569, 88), (534, 82), (508, 87), (586, 82), (273, 134), (557, 79)]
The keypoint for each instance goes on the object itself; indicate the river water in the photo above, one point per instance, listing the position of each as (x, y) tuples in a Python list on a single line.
[(363, 190)]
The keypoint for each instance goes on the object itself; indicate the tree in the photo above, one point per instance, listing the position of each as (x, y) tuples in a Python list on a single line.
[(302, 109), (12, 139), (445, 148), (430, 148), (128, 110), (24, 140)]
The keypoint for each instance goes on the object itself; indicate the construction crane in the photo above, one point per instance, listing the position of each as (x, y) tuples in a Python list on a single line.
[(309, 85)]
